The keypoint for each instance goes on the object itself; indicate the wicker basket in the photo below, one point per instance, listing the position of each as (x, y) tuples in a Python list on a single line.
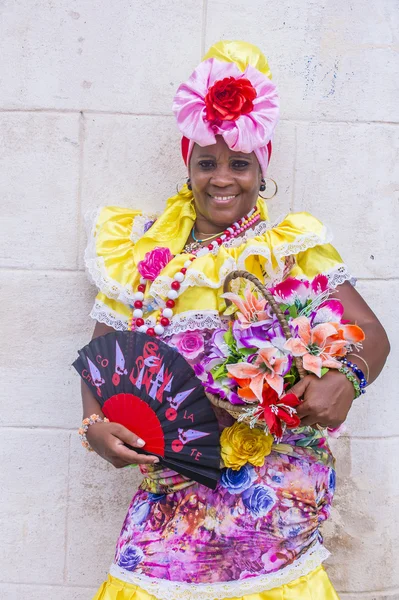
[(235, 410)]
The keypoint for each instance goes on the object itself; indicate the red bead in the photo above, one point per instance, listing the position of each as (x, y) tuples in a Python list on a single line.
[(170, 303), (175, 285), (193, 258), (183, 270), (164, 322), (210, 247), (219, 241), (141, 287), (150, 331), (138, 304), (139, 322)]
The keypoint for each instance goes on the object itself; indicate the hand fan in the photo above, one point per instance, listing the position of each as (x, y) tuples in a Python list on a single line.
[(148, 387)]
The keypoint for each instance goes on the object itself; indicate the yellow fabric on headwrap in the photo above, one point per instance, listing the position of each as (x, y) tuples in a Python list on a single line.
[(240, 53)]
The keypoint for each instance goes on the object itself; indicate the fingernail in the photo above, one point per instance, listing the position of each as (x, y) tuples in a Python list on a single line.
[(156, 460), (140, 442)]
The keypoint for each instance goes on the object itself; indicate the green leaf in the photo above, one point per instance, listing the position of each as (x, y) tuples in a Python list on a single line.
[(219, 371), (324, 371)]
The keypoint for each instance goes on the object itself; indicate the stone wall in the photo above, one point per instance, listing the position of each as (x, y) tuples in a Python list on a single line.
[(85, 120)]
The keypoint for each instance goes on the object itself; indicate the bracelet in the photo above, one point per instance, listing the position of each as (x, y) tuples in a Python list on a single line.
[(85, 426), (351, 377), (365, 362), (358, 372)]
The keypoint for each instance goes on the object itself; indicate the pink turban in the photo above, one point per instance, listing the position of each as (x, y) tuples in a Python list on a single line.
[(220, 99)]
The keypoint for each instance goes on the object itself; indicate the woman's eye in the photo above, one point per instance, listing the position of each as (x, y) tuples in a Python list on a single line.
[(206, 164), (239, 164)]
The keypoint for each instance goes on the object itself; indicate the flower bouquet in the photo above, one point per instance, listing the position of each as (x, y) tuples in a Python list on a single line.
[(275, 337)]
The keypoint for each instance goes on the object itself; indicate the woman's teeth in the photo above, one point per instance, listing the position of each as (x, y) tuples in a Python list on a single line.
[(223, 197)]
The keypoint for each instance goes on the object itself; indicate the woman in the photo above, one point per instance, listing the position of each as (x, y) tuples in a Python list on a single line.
[(258, 534)]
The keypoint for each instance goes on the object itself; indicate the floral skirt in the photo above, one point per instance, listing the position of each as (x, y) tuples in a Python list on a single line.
[(256, 533)]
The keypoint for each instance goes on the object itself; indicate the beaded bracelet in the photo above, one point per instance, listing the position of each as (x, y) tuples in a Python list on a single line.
[(85, 426), (357, 371), (351, 377)]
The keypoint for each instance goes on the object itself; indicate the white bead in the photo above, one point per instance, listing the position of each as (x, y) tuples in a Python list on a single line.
[(159, 329), (230, 229), (139, 296), (202, 252), (137, 313), (187, 264), (179, 277), (223, 236), (172, 294), (143, 328), (143, 280), (167, 312)]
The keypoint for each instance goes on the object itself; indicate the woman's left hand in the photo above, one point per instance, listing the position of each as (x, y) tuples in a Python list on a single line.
[(325, 401)]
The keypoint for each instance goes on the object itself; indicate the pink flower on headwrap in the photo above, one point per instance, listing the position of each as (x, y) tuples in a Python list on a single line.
[(250, 132)]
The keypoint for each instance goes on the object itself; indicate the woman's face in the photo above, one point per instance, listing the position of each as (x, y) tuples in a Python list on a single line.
[(225, 185)]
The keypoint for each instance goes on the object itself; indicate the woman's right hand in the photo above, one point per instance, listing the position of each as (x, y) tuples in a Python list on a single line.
[(109, 439)]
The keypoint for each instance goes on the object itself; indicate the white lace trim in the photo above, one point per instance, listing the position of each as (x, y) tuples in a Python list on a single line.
[(193, 320), (138, 228), (190, 320), (339, 275), (103, 314), (174, 590)]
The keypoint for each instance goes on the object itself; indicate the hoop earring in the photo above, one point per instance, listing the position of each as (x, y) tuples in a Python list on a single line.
[(264, 188), (179, 184)]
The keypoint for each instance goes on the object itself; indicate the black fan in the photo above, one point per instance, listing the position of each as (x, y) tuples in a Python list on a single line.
[(148, 387)]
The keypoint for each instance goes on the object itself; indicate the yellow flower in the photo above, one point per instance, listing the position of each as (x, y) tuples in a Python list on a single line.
[(241, 444)]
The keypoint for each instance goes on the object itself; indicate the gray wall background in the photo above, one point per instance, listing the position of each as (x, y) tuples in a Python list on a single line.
[(85, 120)]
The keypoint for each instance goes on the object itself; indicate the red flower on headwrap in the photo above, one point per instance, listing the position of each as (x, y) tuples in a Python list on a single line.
[(229, 98)]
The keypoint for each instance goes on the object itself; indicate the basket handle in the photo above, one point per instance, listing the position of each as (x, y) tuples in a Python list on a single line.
[(273, 304)]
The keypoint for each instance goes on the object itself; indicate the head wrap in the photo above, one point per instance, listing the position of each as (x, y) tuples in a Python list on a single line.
[(229, 94)]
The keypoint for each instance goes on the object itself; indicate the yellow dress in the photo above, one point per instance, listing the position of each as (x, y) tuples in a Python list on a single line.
[(119, 239)]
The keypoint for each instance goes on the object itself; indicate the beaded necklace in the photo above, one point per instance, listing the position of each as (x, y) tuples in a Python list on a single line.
[(163, 321)]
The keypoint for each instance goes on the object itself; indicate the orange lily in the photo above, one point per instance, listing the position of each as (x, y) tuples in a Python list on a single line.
[(250, 309), (269, 367), (318, 346)]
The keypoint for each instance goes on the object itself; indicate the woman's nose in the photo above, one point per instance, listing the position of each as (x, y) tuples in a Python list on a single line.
[(221, 176)]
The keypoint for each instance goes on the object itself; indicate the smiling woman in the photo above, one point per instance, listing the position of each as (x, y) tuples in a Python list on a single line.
[(225, 185), (258, 534)]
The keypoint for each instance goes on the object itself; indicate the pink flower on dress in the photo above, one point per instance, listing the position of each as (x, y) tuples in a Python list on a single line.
[(153, 263), (190, 344)]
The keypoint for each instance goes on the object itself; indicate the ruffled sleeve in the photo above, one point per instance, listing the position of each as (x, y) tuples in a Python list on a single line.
[(110, 261), (301, 236)]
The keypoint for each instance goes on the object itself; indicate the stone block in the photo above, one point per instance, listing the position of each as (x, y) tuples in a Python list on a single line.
[(10, 591), (281, 169), (33, 505), (346, 177), (375, 413), (364, 516), (125, 56), (47, 322), (99, 497), (130, 161), (39, 162), (322, 56)]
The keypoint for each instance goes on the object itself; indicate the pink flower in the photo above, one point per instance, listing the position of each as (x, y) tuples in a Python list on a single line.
[(270, 366), (153, 263), (251, 310), (190, 344), (318, 345)]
